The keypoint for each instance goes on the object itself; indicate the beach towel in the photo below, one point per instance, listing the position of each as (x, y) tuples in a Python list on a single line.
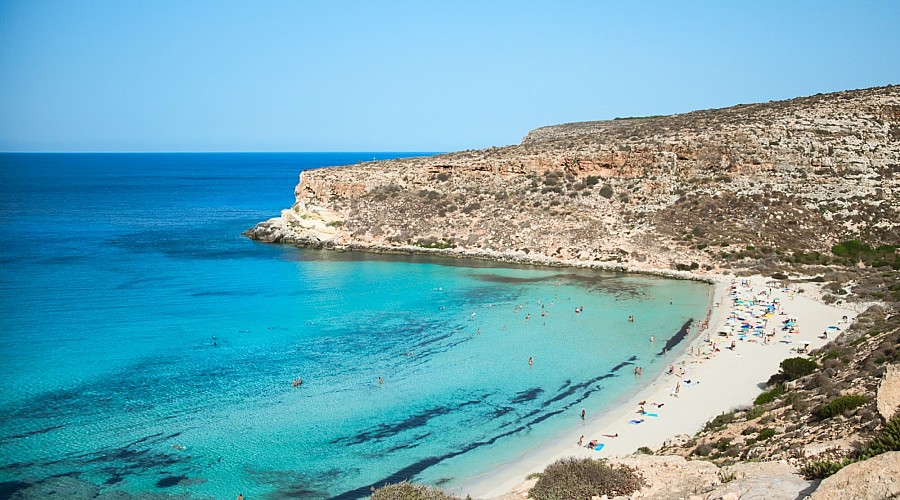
[(599, 447), (634, 422), (651, 414)]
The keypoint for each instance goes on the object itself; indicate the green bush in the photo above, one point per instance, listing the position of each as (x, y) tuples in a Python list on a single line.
[(591, 180), (839, 405), (887, 440), (409, 491), (754, 413), (765, 434), (769, 396), (583, 478), (851, 248), (794, 368), (606, 191), (853, 251), (832, 354), (645, 450), (719, 421), (820, 469)]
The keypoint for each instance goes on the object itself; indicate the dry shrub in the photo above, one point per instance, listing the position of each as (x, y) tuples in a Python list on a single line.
[(409, 491), (584, 478)]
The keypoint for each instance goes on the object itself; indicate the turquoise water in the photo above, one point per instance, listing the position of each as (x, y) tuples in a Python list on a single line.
[(148, 347)]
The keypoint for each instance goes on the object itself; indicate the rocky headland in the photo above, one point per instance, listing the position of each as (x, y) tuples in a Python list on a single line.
[(802, 190), (695, 191)]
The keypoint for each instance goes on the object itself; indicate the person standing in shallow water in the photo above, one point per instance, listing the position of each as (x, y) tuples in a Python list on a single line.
[(530, 360), (582, 413)]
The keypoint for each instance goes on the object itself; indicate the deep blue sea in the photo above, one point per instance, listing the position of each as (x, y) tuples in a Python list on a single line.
[(148, 347)]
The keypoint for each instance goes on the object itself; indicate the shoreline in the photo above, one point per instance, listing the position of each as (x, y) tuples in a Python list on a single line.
[(732, 378), (721, 382), (508, 257)]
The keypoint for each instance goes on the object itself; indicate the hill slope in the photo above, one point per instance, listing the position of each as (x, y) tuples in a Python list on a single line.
[(783, 178)]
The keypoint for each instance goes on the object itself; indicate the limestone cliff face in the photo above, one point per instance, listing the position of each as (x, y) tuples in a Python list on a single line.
[(790, 175)]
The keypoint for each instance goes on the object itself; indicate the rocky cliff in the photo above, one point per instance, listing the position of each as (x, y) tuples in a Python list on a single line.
[(700, 189)]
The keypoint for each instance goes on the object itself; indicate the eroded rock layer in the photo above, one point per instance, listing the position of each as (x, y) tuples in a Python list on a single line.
[(663, 192)]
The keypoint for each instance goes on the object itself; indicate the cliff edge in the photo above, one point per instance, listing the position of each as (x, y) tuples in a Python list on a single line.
[(666, 192)]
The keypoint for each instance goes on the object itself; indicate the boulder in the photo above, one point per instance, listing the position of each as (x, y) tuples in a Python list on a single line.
[(672, 476), (888, 396), (875, 478), (677, 440), (760, 481)]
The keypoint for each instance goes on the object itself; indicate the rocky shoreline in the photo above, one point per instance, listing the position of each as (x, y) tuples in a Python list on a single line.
[(808, 187), (485, 255), (699, 192)]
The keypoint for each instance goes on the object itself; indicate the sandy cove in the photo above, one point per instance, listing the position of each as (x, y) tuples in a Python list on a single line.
[(720, 381)]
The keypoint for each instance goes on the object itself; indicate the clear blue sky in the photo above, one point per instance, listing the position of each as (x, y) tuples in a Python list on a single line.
[(185, 75)]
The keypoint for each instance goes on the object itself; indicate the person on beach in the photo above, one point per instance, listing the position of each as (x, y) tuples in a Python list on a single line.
[(611, 435), (582, 413), (581, 441), (677, 388)]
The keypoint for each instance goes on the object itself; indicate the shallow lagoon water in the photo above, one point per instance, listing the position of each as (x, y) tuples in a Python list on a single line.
[(136, 321)]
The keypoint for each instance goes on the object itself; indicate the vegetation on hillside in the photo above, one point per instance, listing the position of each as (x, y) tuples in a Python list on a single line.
[(583, 479)]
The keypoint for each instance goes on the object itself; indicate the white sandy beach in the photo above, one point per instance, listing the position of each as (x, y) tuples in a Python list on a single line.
[(719, 382)]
